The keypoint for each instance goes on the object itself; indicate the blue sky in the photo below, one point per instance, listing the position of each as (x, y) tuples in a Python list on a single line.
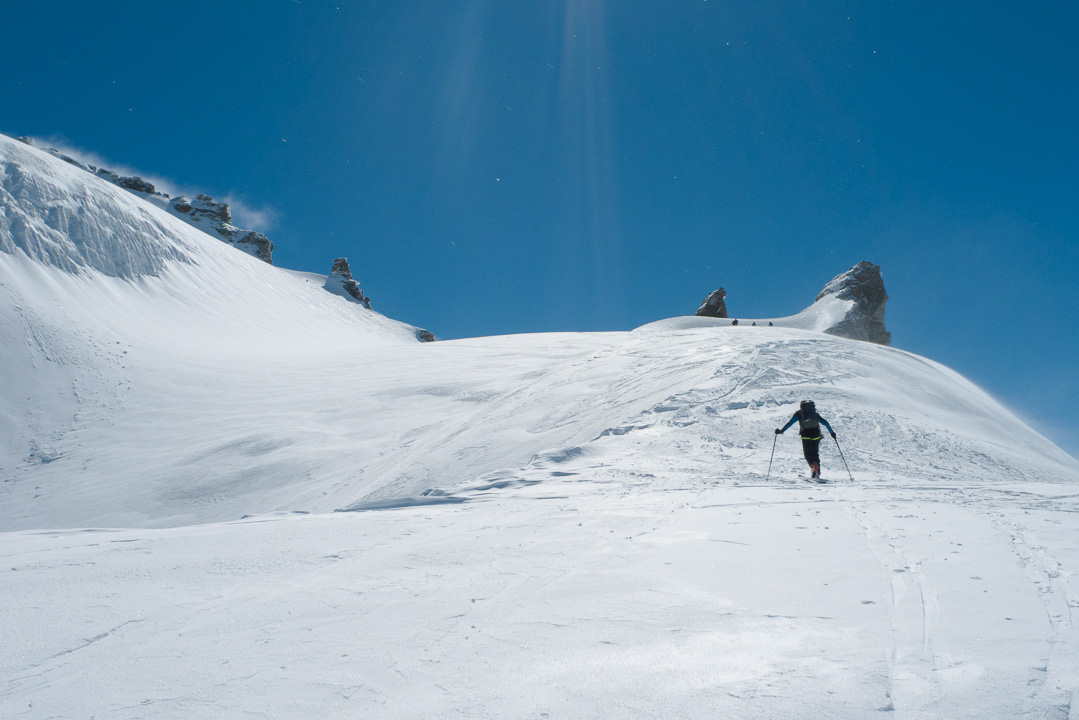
[(495, 167)]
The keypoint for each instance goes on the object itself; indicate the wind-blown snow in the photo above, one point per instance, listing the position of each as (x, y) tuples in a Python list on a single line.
[(559, 525)]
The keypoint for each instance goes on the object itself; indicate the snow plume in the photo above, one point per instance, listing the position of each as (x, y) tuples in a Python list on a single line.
[(262, 218), (164, 185)]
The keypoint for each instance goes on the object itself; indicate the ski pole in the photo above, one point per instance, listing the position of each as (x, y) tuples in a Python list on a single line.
[(766, 477), (844, 459)]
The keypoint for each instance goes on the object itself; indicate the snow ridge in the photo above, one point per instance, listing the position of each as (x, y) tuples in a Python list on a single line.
[(44, 212)]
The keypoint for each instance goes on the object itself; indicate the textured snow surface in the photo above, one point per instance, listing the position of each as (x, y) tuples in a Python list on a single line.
[(65, 217), (556, 525)]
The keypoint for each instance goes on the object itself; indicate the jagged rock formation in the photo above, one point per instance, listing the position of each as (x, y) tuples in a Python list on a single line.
[(340, 282), (713, 305), (201, 209), (206, 214), (133, 183), (202, 212), (865, 320)]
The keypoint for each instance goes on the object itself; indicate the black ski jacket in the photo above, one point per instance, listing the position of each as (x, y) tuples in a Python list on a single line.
[(808, 433)]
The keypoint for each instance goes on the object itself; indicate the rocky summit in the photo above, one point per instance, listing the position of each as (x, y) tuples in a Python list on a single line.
[(863, 285), (713, 305)]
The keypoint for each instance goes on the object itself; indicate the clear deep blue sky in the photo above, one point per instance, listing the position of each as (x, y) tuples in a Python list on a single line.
[(491, 166)]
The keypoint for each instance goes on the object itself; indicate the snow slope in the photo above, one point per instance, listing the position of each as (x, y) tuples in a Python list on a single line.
[(556, 525), (110, 306)]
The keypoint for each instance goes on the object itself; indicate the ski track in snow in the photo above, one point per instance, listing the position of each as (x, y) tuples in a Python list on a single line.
[(227, 492), (424, 598)]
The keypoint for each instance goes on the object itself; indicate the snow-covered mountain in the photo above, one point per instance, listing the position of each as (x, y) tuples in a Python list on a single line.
[(575, 525)]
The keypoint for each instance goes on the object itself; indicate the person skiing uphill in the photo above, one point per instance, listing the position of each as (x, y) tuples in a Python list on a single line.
[(809, 423)]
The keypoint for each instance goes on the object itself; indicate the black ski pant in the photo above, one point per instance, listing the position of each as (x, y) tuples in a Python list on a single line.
[(809, 449)]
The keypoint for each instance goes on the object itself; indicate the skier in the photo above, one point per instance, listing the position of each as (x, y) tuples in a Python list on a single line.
[(809, 423)]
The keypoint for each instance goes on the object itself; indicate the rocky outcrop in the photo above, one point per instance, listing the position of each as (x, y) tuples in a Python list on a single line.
[(864, 320), (202, 212), (251, 242), (203, 209), (713, 305), (207, 214), (133, 183), (340, 282)]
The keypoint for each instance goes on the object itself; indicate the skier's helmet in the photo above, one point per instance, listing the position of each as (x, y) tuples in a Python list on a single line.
[(807, 406)]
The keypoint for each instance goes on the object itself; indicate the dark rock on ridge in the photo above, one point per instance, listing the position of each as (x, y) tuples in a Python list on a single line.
[(713, 305), (72, 161), (207, 214), (133, 183), (341, 282), (340, 267), (202, 209), (251, 242), (865, 320)]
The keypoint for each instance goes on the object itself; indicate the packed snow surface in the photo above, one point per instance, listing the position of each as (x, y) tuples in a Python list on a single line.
[(556, 525)]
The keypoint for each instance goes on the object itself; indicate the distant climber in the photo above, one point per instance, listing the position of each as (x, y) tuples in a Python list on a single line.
[(769, 323), (809, 423), (735, 321)]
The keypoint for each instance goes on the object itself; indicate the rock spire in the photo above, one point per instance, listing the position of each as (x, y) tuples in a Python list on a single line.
[(863, 285), (713, 305)]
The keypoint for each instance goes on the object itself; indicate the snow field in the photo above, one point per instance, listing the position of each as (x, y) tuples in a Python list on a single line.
[(556, 525), (579, 596)]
